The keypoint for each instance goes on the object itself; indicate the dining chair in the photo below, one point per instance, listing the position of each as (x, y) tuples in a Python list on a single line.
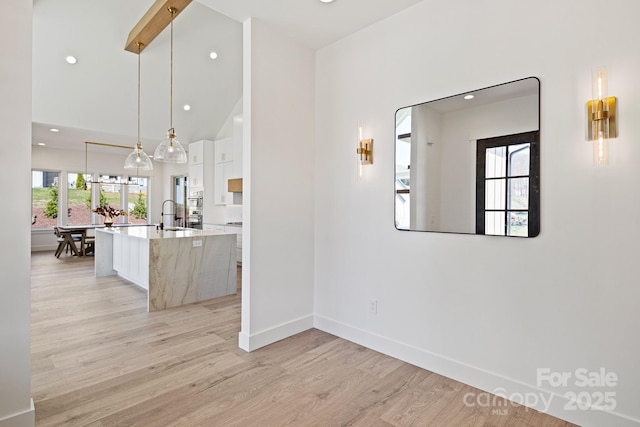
[(89, 245), (62, 242), (67, 241)]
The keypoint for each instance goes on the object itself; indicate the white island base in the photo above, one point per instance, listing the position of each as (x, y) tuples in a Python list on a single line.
[(175, 267)]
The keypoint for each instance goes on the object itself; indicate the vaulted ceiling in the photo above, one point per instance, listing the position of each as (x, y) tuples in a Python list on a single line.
[(95, 99)]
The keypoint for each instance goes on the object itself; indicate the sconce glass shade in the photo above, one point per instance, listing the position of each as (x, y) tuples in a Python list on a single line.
[(599, 83), (601, 152), (601, 118), (138, 159), (170, 150)]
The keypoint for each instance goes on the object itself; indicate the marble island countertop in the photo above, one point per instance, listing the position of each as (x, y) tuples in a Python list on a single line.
[(175, 266), (145, 232)]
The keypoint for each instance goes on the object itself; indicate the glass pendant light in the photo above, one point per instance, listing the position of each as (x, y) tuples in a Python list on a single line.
[(170, 150), (138, 159)]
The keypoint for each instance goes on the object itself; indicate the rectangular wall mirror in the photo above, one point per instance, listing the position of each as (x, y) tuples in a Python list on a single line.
[(470, 163)]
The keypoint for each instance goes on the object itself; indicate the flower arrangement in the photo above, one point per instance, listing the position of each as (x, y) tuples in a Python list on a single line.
[(108, 212)]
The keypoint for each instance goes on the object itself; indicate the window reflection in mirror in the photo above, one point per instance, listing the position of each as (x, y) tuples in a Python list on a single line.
[(471, 164)]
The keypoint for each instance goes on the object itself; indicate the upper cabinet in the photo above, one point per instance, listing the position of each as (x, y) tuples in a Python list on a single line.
[(196, 176), (224, 150), (223, 171), (228, 164), (201, 165), (196, 153)]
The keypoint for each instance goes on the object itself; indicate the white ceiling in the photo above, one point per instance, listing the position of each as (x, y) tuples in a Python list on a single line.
[(95, 99), (484, 96), (312, 22), (98, 94)]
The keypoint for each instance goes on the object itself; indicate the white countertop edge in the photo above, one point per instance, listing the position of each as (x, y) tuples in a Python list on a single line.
[(149, 233)]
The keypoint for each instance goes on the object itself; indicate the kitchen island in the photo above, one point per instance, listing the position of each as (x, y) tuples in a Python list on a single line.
[(176, 266)]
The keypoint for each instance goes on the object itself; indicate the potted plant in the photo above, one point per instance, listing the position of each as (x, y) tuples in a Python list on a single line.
[(109, 213)]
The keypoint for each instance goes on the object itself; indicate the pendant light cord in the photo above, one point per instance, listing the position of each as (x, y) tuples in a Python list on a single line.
[(172, 11), (139, 50)]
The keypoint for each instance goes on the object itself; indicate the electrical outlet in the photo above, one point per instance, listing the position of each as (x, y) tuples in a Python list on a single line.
[(373, 306), (197, 243)]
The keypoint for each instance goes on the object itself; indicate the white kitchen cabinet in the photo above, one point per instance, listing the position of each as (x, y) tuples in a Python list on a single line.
[(196, 153), (213, 227), (222, 174), (224, 150), (131, 259), (196, 175), (228, 165), (201, 172)]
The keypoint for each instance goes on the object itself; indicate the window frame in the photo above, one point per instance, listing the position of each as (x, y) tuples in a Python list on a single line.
[(68, 206), (60, 174), (532, 138), (63, 196)]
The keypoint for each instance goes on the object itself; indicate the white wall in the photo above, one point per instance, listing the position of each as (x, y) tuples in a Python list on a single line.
[(425, 182), (226, 131), (278, 186), (16, 406), (564, 300)]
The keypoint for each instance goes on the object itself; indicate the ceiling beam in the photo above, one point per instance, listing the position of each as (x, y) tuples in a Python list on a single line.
[(153, 22)]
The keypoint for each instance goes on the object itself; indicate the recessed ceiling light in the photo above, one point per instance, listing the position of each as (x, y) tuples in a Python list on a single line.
[(42, 144), (54, 130), (469, 97), (71, 59), (213, 55), (326, 1), (187, 107)]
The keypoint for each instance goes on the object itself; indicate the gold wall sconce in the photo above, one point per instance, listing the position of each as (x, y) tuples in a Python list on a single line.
[(364, 150), (601, 118)]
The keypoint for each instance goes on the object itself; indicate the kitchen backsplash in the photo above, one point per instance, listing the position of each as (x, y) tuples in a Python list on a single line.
[(233, 213)]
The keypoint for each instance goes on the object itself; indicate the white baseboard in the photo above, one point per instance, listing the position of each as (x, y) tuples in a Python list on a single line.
[(277, 333), (23, 419), (491, 382)]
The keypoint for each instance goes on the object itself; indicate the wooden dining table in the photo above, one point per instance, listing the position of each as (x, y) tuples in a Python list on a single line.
[(69, 231), (81, 230)]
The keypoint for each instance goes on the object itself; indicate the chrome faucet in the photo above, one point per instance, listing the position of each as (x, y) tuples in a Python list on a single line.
[(162, 214)]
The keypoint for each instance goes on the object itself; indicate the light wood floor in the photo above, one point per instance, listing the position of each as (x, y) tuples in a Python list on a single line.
[(100, 359)]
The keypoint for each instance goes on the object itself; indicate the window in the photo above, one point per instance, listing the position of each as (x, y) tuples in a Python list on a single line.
[(138, 188), (44, 198), (508, 185), (110, 194), (75, 193), (78, 198)]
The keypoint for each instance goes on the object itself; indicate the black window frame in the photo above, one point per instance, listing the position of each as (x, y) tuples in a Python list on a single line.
[(532, 138)]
